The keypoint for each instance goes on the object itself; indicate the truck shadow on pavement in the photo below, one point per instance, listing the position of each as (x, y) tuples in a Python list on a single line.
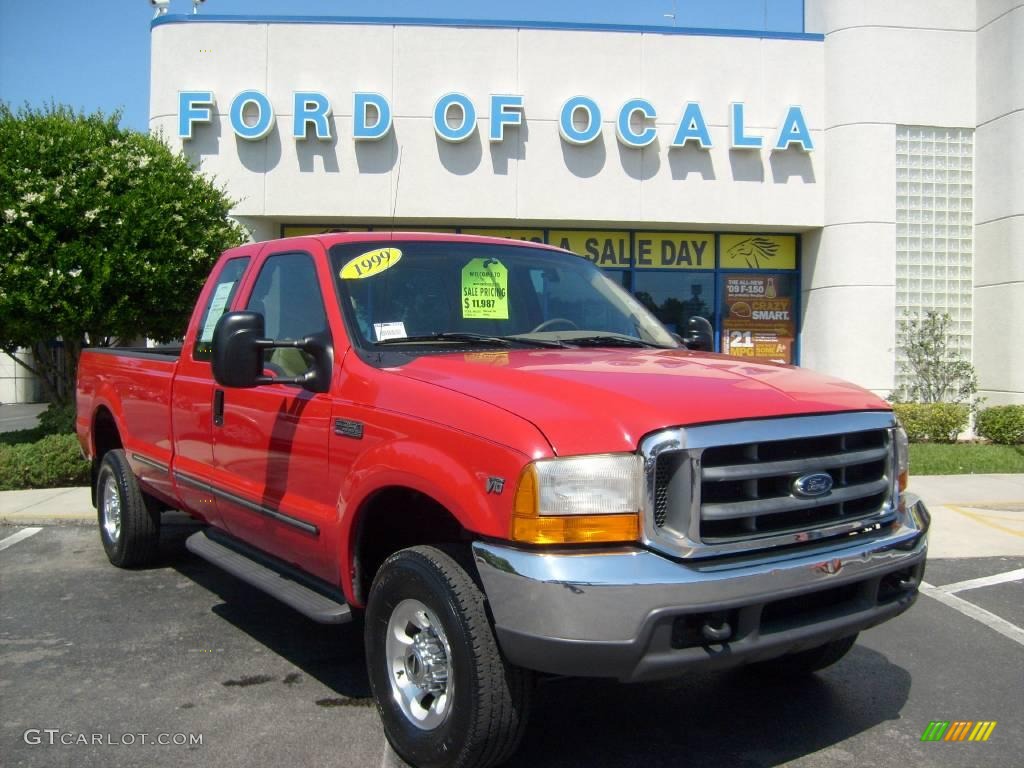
[(735, 719), (332, 655)]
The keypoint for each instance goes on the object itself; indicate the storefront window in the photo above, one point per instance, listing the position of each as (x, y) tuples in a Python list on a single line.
[(675, 297)]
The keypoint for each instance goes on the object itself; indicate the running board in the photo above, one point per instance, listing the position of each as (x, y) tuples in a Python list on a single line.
[(275, 582)]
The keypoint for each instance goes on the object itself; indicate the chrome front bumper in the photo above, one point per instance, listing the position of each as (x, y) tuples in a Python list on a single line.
[(634, 615)]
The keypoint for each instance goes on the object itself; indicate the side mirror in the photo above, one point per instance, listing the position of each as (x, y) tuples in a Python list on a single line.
[(238, 347), (699, 334)]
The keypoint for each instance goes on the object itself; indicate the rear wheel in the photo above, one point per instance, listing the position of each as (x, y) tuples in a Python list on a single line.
[(811, 660), (446, 696), (129, 527)]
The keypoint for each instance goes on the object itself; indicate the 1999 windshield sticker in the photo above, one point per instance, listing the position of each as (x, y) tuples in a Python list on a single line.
[(370, 263), (485, 290)]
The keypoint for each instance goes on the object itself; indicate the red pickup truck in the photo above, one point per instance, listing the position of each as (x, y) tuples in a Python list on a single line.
[(504, 465)]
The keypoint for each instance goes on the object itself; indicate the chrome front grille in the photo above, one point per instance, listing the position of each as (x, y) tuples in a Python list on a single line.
[(730, 487)]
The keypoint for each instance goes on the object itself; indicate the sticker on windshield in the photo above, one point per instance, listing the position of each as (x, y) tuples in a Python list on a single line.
[(370, 263), (385, 331), (217, 307), (485, 290)]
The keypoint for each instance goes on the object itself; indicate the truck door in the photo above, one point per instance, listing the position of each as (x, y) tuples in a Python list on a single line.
[(274, 488), (192, 396)]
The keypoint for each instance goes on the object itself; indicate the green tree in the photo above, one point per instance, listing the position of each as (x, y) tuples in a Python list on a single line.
[(106, 236), (934, 371)]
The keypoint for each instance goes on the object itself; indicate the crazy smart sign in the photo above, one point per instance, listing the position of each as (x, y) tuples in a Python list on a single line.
[(251, 116), (758, 320)]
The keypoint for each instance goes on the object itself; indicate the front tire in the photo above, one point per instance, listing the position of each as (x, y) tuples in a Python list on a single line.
[(446, 697), (129, 527)]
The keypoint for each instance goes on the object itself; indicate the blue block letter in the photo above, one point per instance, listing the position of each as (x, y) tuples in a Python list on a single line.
[(363, 129), (506, 109), (193, 107), (312, 107), (739, 138), (794, 131), (264, 123), (566, 121), (692, 127), (441, 109)]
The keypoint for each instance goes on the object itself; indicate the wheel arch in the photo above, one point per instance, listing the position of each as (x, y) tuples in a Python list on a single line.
[(392, 518), (106, 437)]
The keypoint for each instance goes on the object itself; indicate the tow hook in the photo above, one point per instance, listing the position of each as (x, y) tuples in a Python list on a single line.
[(716, 634)]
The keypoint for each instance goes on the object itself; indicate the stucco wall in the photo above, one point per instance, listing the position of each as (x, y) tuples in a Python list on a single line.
[(999, 203), (533, 175)]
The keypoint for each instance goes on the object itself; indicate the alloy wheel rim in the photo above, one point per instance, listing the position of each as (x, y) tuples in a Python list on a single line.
[(419, 670), (111, 510)]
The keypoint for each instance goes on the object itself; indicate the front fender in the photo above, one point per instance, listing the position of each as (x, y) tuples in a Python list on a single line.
[(457, 476)]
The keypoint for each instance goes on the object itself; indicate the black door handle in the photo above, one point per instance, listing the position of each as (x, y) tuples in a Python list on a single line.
[(218, 408)]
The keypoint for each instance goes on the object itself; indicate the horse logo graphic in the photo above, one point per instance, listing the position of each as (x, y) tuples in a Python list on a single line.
[(756, 252)]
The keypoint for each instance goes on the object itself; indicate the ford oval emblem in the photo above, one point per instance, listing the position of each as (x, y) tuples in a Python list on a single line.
[(812, 486)]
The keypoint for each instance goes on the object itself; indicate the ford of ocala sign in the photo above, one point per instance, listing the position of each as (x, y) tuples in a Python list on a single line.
[(455, 119)]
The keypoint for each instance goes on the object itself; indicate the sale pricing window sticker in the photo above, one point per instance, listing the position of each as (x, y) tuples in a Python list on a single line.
[(370, 263), (758, 252), (385, 331), (220, 301), (485, 290)]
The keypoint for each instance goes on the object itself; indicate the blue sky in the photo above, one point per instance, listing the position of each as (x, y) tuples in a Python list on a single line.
[(94, 54)]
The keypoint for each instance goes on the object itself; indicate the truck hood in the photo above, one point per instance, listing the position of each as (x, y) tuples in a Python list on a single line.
[(605, 400)]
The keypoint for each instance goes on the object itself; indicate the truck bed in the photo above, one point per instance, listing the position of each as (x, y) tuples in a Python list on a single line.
[(133, 383)]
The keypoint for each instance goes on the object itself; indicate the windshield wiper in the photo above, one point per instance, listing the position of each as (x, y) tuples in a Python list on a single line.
[(537, 342), (610, 340), (465, 338)]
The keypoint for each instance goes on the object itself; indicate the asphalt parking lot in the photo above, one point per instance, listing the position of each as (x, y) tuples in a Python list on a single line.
[(183, 652)]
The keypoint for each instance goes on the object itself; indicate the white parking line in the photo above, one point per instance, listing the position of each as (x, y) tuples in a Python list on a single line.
[(989, 619), (984, 581), (19, 536)]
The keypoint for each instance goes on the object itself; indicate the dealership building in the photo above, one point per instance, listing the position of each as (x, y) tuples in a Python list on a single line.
[(803, 191)]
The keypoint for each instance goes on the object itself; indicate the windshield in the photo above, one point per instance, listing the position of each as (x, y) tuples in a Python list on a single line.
[(449, 293)]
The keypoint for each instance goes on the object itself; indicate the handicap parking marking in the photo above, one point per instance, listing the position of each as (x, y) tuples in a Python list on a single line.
[(19, 536), (983, 514), (989, 619)]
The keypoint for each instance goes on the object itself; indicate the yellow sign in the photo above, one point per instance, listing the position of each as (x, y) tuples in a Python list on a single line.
[(287, 231), (605, 249), (485, 290), (445, 230), (530, 235), (370, 263), (674, 250), (758, 252)]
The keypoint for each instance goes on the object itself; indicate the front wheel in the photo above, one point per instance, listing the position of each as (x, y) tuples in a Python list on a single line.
[(446, 696), (129, 526)]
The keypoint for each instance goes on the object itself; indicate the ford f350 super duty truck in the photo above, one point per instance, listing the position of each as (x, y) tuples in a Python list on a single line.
[(503, 465)]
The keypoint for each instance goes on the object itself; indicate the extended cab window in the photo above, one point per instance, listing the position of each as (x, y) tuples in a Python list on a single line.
[(220, 299), (287, 294)]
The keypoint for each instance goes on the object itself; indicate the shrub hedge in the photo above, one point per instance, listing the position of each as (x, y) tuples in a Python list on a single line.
[(932, 422), (1002, 424), (52, 462)]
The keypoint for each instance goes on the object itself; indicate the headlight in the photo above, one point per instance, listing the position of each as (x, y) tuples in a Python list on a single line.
[(579, 499), (902, 456)]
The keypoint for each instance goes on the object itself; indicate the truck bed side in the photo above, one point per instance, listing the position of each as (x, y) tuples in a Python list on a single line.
[(123, 401)]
